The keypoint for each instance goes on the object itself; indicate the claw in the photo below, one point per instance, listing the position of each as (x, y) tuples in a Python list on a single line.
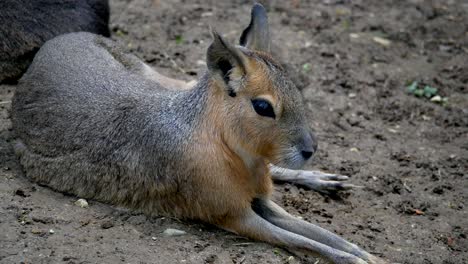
[(342, 178), (347, 186), (327, 186), (315, 180), (335, 177)]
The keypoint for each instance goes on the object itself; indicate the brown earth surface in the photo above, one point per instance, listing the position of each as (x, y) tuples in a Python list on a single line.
[(352, 60)]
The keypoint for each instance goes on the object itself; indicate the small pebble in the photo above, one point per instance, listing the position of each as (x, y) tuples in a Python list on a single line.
[(51, 231), (37, 231), (107, 224), (173, 232), (82, 203), (436, 99), (207, 14), (382, 41)]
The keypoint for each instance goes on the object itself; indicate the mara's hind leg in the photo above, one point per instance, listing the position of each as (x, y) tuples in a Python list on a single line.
[(64, 173), (149, 73), (43, 170), (252, 225), (276, 215)]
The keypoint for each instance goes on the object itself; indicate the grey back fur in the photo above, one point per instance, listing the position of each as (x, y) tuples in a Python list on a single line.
[(89, 124)]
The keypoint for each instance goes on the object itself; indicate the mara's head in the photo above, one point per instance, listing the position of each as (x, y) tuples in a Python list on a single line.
[(262, 110)]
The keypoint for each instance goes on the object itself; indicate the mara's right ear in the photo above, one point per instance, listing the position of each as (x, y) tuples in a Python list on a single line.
[(257, 35), (222, 59)]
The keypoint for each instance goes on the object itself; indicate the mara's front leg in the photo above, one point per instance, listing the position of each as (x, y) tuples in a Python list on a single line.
[(276, 215), (315, 180)]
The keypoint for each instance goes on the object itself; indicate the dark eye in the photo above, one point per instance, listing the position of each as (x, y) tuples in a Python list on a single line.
[(263, 108)]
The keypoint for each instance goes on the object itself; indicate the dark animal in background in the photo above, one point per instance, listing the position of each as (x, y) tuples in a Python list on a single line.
[(27, 24)]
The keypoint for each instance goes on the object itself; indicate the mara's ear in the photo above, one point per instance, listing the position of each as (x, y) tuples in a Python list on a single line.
[(257, 35), (222, 59)]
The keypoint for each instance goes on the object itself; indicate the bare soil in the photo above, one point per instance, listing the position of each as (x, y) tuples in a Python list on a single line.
[(410, 154)]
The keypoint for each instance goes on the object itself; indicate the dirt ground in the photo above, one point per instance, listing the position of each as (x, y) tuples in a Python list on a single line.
[(353, 61)]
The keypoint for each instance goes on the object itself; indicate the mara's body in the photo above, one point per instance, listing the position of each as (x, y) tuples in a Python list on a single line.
[(96, 122), (102, 131), (27, 24)]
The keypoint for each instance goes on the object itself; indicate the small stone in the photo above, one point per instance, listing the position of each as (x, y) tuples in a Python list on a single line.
[(107, 224), (42, 219), (82, 203), (382, 41), (354, 35), (37, 231), (201, 63), (352, 95), (354, 149), (173, 232), (207, 14), (445, 48), (51, 231), (436, 99)]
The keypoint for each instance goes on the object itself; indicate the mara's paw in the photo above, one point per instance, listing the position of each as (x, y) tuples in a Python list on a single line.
[(325, 182)]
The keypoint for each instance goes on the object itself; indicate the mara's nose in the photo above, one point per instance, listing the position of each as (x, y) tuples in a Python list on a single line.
[(309, 146)]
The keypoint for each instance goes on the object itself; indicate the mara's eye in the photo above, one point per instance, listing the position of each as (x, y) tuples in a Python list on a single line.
[(263, 108)]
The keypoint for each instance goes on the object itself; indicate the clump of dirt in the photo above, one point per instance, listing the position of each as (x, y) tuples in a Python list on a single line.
[(352, 60)]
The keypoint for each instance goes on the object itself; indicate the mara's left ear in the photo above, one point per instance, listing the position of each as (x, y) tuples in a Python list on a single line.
[(226, 64), (257, 35)]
